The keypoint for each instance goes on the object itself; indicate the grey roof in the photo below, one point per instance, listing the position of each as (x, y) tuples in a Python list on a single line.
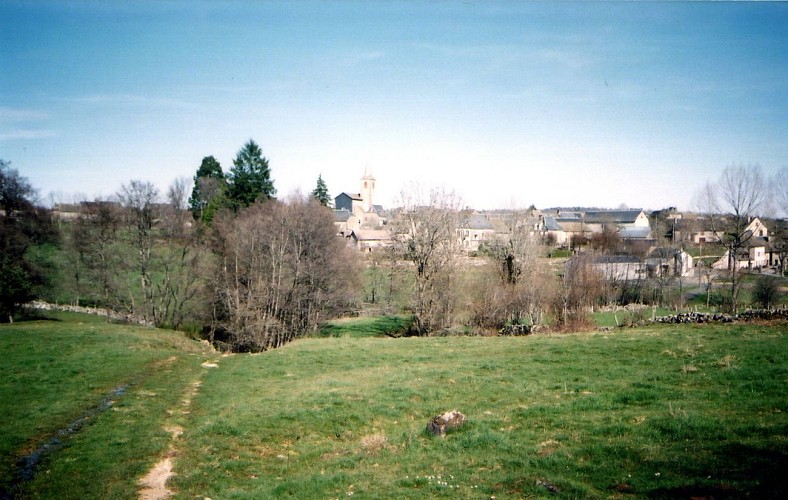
[(353, 196), (478, 221), (550, 224), (616, 216), (615, 259), (635, 233), (341, 215)]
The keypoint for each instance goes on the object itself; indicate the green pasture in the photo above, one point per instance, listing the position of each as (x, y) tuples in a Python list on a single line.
[(659, 411), (62, 373)]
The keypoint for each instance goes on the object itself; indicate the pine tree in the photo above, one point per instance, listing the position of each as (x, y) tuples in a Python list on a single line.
[(250, 177), (321, 192), (210, 186)]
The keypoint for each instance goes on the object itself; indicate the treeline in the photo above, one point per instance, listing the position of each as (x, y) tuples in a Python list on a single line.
[(228, 260)]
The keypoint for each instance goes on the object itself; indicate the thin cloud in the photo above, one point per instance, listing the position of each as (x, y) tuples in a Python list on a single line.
[(16, 115), (26, 134), (132, 100)]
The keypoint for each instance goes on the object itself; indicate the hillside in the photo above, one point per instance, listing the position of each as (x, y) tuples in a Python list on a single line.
[(659, 411)]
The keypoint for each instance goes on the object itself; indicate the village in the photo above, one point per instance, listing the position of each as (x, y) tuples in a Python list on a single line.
[(625, 244)]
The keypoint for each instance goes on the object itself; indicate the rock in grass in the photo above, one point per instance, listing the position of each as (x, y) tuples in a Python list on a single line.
[(448, 421)]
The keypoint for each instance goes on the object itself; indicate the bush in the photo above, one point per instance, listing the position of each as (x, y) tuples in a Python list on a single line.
[(766, 293)]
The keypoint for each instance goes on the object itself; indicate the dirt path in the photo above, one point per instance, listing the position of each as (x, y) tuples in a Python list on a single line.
[(153, 485)]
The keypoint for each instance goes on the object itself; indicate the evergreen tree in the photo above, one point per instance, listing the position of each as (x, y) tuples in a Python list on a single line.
[(250, 177), (321, 192), (209, 189), (23, 227)]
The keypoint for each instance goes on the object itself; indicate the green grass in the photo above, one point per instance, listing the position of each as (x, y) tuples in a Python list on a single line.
[(59, 371), (626, 317), (661, 411), (657, 411), (365, 327)]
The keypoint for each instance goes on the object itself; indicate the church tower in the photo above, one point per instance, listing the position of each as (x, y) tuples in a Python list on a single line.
[(367, 190)]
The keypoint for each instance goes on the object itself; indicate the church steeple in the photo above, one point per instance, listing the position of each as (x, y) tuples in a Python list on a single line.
[(367, 190)]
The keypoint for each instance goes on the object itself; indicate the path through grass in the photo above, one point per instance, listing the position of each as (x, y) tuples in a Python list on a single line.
[(58, 374)]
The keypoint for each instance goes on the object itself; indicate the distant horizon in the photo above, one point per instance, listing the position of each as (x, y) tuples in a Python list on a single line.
[(509, 104)]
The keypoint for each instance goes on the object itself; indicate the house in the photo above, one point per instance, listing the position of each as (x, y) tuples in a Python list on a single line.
[(368, 240), (753, 254), (619, 267), (669, 262), (754, 251), (565, 226), (476, 230)]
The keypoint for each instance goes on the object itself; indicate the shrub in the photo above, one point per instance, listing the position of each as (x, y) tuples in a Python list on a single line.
[(766, 293)]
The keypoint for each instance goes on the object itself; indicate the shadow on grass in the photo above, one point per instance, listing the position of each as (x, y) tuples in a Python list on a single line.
[(741, 472), (382, 326)]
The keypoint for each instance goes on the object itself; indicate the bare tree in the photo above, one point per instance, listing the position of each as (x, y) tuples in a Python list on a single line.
[(580, 288), (524, 288), (281, 270), (139, 199), (425, 232), (779, 186), (95, 261), (740, 193)]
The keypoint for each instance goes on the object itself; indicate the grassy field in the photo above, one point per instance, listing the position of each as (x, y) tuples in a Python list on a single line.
[(647, 412), (110, 384)]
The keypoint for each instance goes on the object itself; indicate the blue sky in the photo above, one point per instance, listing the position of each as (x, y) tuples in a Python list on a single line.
[(509, 103)]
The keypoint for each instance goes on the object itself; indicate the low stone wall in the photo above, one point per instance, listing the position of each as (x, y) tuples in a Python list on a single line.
[(750, 315), (97, 311)]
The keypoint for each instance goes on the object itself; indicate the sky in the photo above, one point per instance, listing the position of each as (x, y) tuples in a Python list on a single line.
[(509, 104)]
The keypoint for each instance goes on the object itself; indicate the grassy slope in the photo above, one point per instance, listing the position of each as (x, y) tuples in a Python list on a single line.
[(657, 411), (58, 371)]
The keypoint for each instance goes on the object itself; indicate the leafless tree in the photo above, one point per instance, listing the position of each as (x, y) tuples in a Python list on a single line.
[(580, 288), (95, 261), (779, 186), (139, 199), (425, 232), (740, 193), (281, 270), (524, 286)]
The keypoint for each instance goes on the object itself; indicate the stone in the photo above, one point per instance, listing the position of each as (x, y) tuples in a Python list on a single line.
[(450, 420)]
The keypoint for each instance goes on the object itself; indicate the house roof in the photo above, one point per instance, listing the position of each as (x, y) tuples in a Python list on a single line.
[(371, 234), (478, 221), (550, 224), (615, 259), (352, 196), (341, 215), (616, 216), (635, 233)]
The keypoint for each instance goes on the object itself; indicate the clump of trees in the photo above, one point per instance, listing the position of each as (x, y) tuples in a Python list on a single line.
[(248, 181), (424, 232), (280, 270), (25, 228), (256, 271), (515, 287)]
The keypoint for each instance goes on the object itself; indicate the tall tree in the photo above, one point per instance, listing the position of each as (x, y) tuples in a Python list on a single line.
[(425, 234), (281, 269), (523, 288), (210, 186), (321, 192), (23, 227), (139, 199), (739, 194), (780, 190), (250, 177)]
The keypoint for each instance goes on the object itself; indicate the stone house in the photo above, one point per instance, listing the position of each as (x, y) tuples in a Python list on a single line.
[(476, 231)]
